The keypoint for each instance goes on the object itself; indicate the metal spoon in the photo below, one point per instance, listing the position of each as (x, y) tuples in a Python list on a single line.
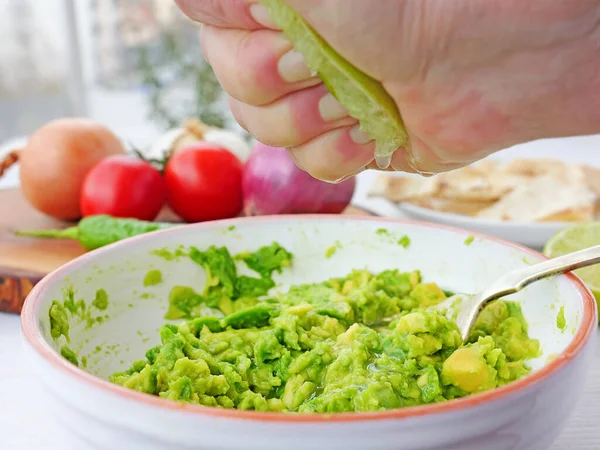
[(469, 306)]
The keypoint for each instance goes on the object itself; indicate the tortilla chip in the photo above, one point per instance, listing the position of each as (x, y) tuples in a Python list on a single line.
[(487, 166), (535, 167), (597, 209), (543, 199), (401, 189), (582, 214), (541, 167), (469, 183), (505, 182), (525, 190), (379, 186), (462, 207), (592, 178)]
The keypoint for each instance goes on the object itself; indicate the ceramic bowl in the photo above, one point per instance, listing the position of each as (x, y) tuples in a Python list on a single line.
[(524, 415)]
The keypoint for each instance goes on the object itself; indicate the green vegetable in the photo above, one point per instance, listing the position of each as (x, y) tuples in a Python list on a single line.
[(256, 316), (69, 355), (59, 320), (561, 322), (225, 289), (220, 273), (97, 231), (212, 323), (101, 300), (404, 241), (268, 259), (182, 301), (152, 278), (330, 251)]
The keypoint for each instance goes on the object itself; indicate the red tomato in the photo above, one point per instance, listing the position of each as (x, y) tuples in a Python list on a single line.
[(123, 186), (204, 182)]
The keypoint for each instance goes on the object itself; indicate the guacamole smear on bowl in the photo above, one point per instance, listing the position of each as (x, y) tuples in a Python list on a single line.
[(312, 348)]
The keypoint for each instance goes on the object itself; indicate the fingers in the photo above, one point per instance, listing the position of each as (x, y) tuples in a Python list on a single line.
[(242, 14), (294, 119), (255, 67), (335, 155), (426, 160), (420, 158), (277, 98), (399, 163)]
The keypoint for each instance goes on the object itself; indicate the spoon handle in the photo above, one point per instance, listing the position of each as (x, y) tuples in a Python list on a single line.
[(555, 266)]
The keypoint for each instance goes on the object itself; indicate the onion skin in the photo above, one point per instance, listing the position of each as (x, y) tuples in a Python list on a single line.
[(272, 185), (57, 159), (193, 132)]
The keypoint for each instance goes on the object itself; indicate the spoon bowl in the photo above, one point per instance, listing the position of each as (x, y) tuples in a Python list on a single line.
[(466, 308)]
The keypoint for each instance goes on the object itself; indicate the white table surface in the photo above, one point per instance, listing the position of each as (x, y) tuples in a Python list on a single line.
[(26, 425)]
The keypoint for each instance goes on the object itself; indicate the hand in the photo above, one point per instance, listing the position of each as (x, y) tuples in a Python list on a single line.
[(470, 77)]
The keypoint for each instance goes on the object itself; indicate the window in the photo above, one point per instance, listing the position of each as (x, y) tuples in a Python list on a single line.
[(134, 65)]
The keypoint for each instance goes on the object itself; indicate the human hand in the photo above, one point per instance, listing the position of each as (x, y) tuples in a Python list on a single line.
[(469, 77)]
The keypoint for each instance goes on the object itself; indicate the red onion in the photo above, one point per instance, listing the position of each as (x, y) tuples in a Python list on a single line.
[(273, 184)]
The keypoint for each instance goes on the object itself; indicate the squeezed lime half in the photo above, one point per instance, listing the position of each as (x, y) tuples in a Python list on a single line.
[(364, 97)]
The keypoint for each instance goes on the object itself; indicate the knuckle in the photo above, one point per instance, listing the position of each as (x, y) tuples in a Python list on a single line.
[(271, 137), (314, 166), (237, 111), (270, 126), (255, 69)]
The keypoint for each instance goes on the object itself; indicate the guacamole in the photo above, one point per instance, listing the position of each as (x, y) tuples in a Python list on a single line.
[(316, 348)]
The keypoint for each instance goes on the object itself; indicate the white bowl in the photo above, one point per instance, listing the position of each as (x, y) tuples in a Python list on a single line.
[(525, 415)]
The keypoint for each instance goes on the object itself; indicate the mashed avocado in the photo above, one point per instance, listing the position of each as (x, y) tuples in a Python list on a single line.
[(152, 278), (312, 349)]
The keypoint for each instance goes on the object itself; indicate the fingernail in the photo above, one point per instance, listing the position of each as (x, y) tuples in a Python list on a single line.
[(292, 67), (400, 164), (331, 109), (359, 136), (261, 15)]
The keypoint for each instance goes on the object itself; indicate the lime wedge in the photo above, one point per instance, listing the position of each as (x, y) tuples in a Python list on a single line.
[(573, 238), (364, 97)]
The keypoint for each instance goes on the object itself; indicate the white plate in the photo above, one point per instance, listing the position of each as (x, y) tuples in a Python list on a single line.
[(582, 150)]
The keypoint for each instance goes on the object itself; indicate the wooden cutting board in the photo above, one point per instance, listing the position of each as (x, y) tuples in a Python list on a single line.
[(25, 261)]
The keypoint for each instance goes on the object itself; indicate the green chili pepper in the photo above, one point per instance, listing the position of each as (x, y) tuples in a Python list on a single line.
[(97, 231)]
